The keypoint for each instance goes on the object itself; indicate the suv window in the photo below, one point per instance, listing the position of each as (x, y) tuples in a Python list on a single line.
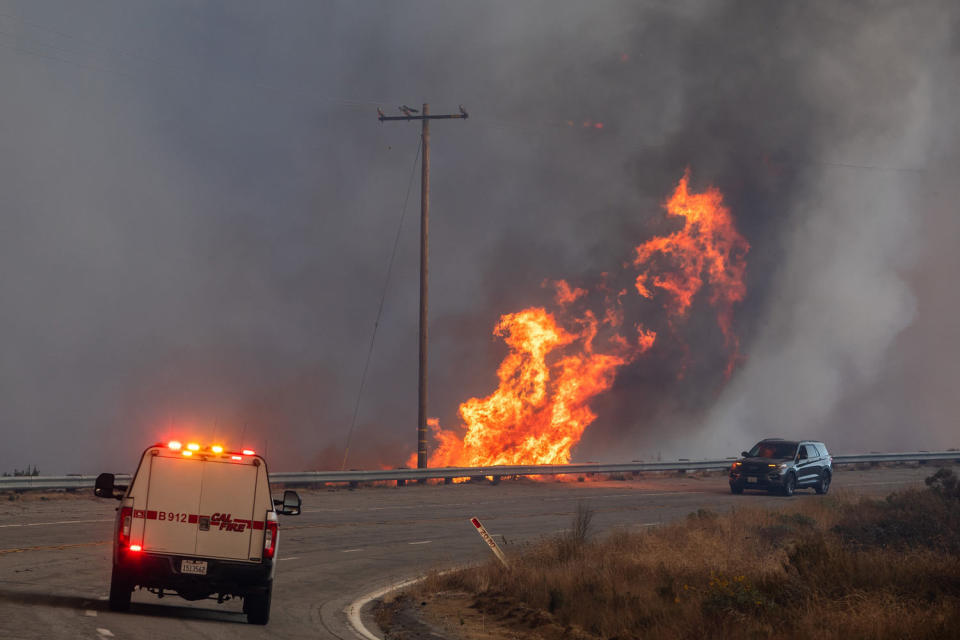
[(823, 449), (810, 451), (774, 450)]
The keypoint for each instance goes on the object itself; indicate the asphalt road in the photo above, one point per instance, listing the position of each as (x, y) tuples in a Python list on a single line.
[(55, 554)]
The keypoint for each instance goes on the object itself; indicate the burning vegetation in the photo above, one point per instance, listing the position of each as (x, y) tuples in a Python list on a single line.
[(560, 359)]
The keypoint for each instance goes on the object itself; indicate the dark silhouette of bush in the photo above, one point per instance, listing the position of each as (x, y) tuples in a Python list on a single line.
[(944, 483), (917, 518)]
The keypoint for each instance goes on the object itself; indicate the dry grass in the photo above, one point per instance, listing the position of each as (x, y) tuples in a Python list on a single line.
[(830, 567)]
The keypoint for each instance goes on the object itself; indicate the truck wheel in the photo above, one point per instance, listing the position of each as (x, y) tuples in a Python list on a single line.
[(257, 606), (120, 590)]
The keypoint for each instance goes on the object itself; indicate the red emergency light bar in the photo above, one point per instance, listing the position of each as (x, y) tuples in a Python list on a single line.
[(189, 449)]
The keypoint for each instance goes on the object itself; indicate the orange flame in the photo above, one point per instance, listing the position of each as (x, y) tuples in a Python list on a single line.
[(565, 295), (708, 246), (540, 409), (556, 367)]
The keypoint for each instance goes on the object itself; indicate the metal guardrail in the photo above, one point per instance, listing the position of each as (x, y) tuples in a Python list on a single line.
[(449, 473)]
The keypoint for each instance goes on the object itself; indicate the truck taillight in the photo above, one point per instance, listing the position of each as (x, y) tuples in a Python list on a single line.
[(269, 539), (126, 522)]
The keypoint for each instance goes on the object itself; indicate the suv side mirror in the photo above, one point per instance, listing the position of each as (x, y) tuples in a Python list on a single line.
[(104, 487), (290, 505), (745, 454)]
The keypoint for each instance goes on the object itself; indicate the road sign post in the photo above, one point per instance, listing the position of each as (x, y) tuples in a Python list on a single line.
[(490, 542)]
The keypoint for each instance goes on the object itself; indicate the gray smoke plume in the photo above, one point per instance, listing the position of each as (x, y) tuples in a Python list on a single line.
[(197, 208), (831, 359)]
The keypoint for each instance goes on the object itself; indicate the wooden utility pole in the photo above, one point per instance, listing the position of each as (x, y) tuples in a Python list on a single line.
[(425, 118)]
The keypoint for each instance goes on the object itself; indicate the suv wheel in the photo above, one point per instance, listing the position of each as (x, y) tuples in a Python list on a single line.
[(735, 488), (257, 606), (824, 484), (789, 485), (120, 590)]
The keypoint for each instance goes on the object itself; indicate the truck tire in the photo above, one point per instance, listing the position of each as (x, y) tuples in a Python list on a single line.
[(120, 591), (257, 606)]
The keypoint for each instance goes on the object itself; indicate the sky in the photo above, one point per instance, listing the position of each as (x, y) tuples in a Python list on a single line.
[(198, 209)]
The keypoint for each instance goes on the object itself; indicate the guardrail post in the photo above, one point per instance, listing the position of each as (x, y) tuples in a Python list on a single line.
[(401, 482), (448, 481), (496, 480)]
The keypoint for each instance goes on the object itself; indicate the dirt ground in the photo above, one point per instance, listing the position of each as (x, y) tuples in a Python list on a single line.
[(456, 615)]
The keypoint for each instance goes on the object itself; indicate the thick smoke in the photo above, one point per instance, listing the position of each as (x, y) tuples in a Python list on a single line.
[(831, 356), (198, 206)]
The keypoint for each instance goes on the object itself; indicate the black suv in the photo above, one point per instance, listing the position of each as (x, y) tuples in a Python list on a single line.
[(783, 465)]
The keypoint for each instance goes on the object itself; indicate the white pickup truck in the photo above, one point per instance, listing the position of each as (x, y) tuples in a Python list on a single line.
[(199, 521)]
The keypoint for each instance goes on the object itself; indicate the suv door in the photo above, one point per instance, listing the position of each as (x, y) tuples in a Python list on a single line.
[(808, 459)]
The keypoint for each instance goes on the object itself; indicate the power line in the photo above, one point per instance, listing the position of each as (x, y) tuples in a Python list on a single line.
[(383, 297)]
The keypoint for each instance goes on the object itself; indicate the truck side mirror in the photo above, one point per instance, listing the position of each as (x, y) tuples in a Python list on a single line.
[(290, 505), (103, 487)]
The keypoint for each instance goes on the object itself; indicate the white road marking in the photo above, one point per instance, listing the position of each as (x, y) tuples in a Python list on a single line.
[(353, 611), (421, 542), (106, 633), (293, 558), (866, 484), (350, 550), (41, 524), (90, 613), (633, 494)]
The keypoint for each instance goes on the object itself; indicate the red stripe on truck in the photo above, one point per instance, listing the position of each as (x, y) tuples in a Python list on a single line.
[(193, 518)]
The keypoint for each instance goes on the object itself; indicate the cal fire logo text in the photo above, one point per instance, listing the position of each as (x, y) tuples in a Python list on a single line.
[(225, 520)]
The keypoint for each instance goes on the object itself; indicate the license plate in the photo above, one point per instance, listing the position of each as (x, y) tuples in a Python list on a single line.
[(751, 480), (196, 567)]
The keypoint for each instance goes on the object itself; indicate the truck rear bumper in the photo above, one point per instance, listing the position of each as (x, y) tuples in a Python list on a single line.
[(157, 571)]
